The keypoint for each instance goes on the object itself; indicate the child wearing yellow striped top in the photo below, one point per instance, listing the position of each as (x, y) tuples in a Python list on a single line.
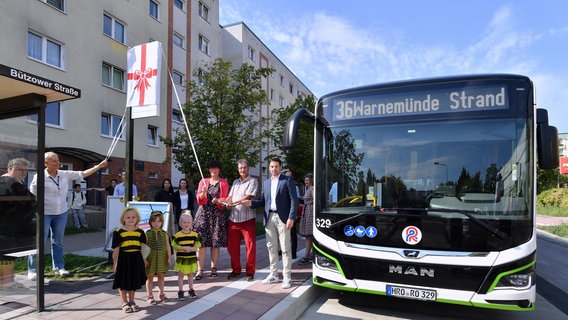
[(186, 242), (160, 256), (128, 263)]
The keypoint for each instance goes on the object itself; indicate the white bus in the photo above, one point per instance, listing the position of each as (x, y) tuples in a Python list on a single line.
[(425, 189)]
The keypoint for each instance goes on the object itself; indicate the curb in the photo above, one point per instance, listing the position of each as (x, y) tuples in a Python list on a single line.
[(294, 305), (553, 238)]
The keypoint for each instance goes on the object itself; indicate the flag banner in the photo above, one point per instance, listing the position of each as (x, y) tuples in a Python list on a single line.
[(143, 93)]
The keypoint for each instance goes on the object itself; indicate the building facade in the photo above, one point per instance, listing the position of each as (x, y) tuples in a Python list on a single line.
[(84, 44)]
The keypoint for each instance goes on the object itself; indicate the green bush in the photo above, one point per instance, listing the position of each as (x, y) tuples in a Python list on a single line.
[(553, 198)]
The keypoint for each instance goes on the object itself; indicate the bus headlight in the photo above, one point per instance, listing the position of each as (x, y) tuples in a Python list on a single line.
[(325, 262), (516, 280)]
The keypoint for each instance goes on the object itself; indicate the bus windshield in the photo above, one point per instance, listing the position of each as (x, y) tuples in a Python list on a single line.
[(476, 166)]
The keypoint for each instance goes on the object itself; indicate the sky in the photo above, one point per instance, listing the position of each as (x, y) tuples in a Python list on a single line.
[(337, 44)]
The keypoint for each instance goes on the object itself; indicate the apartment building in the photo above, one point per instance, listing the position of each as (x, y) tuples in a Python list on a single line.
[(84, 44), (241, 45)]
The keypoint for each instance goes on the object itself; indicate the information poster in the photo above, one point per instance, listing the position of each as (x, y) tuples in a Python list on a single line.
[(115, 207)]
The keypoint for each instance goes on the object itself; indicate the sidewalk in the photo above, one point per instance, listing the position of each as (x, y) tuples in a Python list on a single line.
[(550, 221), (218, 298)]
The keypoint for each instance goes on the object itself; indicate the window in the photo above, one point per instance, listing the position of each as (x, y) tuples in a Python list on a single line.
[(271, 94), (251, 53), (113, 77), (179, 40), (281, 80), (291, 88), (114, 29), (45, 50), (179, 4), (57, 4), (110, 125), (178, 77), (200, 77), (154, 10), (53, 115), (281, 101), (203, 44), (203, 11), (176, 116), (152, 136)]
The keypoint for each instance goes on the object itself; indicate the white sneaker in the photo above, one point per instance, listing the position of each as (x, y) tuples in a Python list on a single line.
[(286, 284), (32, 276), (270, 280), (62, 272)]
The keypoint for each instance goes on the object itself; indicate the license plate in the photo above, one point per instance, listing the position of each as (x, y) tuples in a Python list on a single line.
[(411, 293)]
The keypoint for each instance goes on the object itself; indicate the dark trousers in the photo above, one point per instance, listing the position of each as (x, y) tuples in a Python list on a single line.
[(294, 237)]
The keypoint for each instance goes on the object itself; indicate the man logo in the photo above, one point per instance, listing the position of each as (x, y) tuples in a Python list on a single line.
[(411, 253)]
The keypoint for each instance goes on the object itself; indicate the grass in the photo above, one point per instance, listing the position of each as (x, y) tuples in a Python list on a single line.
[(78, 266), (560, 230), (552, 211)]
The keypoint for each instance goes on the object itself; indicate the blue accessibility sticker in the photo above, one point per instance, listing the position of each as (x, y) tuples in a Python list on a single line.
[(349, 230), (371, 232), (360, 231)]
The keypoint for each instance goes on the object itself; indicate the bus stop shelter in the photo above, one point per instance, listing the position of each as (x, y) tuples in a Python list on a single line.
[(23, 101)]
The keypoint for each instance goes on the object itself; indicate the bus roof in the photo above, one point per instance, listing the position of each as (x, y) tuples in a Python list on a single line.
[(421, 81)]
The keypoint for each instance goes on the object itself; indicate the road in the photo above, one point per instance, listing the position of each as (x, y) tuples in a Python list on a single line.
[(552, 294)]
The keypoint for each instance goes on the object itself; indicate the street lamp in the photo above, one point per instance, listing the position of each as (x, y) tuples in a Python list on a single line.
[(444, 165)]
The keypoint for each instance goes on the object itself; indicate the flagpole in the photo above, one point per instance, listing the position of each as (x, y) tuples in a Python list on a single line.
[(128, 157)]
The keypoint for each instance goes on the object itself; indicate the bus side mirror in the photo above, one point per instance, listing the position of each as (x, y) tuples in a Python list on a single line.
[(547, 141), (292, 126)]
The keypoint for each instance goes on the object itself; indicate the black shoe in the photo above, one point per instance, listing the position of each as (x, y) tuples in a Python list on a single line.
[(192, 294), (232, 275)]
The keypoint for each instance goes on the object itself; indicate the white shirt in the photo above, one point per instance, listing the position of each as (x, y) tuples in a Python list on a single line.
[(78, 200), (273, 190), (183, 199), (55, 191)]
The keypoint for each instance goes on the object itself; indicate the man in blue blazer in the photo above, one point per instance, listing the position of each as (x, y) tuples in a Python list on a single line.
[(280, 203)]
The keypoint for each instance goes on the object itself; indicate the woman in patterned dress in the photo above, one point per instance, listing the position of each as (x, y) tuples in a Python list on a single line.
[(210, 220), (160, 256), (306, 221)]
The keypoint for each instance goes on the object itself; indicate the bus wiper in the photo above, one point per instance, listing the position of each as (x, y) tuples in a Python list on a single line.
[(355, 216), (348, 219), (468, 213)]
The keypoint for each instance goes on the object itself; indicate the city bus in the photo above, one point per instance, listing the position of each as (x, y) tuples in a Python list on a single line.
[(425, 189)]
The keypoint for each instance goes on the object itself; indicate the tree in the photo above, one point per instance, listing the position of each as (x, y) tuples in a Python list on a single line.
[(222, 116), (346, 161), (300, 159), (550, 179)]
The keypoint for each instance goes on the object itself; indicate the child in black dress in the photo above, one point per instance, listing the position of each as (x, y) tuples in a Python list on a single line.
[(129, 265)]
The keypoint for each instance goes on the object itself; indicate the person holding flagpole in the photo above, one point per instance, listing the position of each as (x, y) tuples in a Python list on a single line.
[(210, 220), (56, 185)]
